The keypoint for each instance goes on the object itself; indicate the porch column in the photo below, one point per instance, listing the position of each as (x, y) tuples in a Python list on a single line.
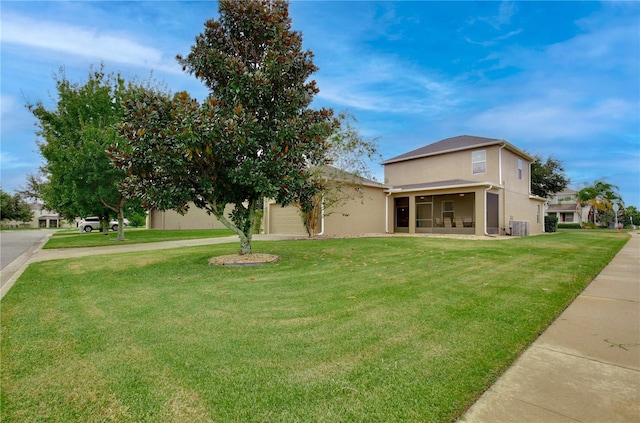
[(412, 214), (479, 211)]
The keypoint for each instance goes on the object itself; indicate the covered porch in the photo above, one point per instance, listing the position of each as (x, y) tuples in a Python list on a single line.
[(465, 209)]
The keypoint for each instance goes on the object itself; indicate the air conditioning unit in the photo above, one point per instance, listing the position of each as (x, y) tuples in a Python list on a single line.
[(519, 227)]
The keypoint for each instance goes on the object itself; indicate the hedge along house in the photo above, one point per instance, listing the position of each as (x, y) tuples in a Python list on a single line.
[(463, 185)]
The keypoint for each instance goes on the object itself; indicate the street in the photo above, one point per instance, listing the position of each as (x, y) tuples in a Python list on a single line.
[(16, 248)]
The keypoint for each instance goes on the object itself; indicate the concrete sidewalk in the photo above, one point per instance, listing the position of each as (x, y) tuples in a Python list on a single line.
[(586, 366)]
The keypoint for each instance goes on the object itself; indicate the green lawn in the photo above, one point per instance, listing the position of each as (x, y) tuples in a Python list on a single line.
[(348, 330), (74, 239)]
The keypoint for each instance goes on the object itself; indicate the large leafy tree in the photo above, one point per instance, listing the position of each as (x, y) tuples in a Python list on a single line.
[(253, 137), (73, 140), (599, 196), (13, 207), (547, 177)]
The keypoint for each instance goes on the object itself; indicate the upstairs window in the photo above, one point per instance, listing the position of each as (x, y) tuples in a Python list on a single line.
[(479, 162), (519, 168)]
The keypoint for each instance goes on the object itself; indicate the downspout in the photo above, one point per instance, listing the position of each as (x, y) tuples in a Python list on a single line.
[(386, 212), (500, 181), (321, 218), (485, 209)]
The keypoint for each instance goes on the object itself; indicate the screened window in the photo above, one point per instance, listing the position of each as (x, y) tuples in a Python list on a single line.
[(447, 211), (424, 212), (479, 162)]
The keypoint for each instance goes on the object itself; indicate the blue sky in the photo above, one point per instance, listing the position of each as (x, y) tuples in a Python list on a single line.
[(559, 79)]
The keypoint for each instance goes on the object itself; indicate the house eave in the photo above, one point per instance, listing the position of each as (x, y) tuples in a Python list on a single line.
[(537, 198), (396, 190)]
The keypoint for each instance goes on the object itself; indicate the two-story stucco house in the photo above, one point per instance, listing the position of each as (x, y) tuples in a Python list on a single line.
[(460, 185), (564, 206), (464, 185)]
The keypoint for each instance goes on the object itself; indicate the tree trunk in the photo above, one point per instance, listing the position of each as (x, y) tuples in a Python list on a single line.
[(120, 236), (245, 238)]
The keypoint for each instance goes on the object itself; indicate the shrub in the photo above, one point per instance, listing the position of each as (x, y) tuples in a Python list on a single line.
[(257, 224), (590, 225), (138, 220), (550, 223), (569, 226)]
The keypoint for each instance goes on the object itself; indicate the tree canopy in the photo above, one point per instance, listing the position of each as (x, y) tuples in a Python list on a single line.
[(253, 137), (73, 140), (600, 196), (547, 177), (13, 207)]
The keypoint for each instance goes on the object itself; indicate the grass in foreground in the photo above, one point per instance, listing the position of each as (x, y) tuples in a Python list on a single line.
[(349, 330), (74, 239)]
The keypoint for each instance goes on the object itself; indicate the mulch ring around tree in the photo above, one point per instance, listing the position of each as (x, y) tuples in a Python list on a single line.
[(252, 259)]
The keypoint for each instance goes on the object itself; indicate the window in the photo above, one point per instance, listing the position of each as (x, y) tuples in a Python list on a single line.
[(479, 162), (519, 168)]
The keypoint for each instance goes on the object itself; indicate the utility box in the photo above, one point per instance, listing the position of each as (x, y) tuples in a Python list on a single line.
[(519, 227)]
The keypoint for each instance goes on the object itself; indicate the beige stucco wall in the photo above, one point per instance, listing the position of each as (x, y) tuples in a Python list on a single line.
[(518, 206), (510, 176), (364, 213), (443, 167), (195, 218)]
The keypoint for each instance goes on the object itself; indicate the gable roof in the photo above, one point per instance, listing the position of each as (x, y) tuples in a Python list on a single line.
[(459, 143), (332, 172)]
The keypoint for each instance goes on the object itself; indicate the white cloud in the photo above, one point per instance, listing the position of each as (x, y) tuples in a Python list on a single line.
[(547, 120), (9, 161), (84, 42), (387, 84)]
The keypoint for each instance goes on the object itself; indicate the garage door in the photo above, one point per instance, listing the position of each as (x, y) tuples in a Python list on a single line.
[(285, 220)]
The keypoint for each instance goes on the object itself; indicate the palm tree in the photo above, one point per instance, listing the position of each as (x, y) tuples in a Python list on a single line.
[(599, 196)]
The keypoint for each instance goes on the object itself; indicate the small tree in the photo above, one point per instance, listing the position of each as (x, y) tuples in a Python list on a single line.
[(73, 140), (349, 155), (254, 137), (599, 197), (36, 184), (547, 177)]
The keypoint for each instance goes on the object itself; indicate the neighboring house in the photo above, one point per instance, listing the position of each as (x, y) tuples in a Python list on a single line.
[(564, 206), (460, 185), (43, 218)]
